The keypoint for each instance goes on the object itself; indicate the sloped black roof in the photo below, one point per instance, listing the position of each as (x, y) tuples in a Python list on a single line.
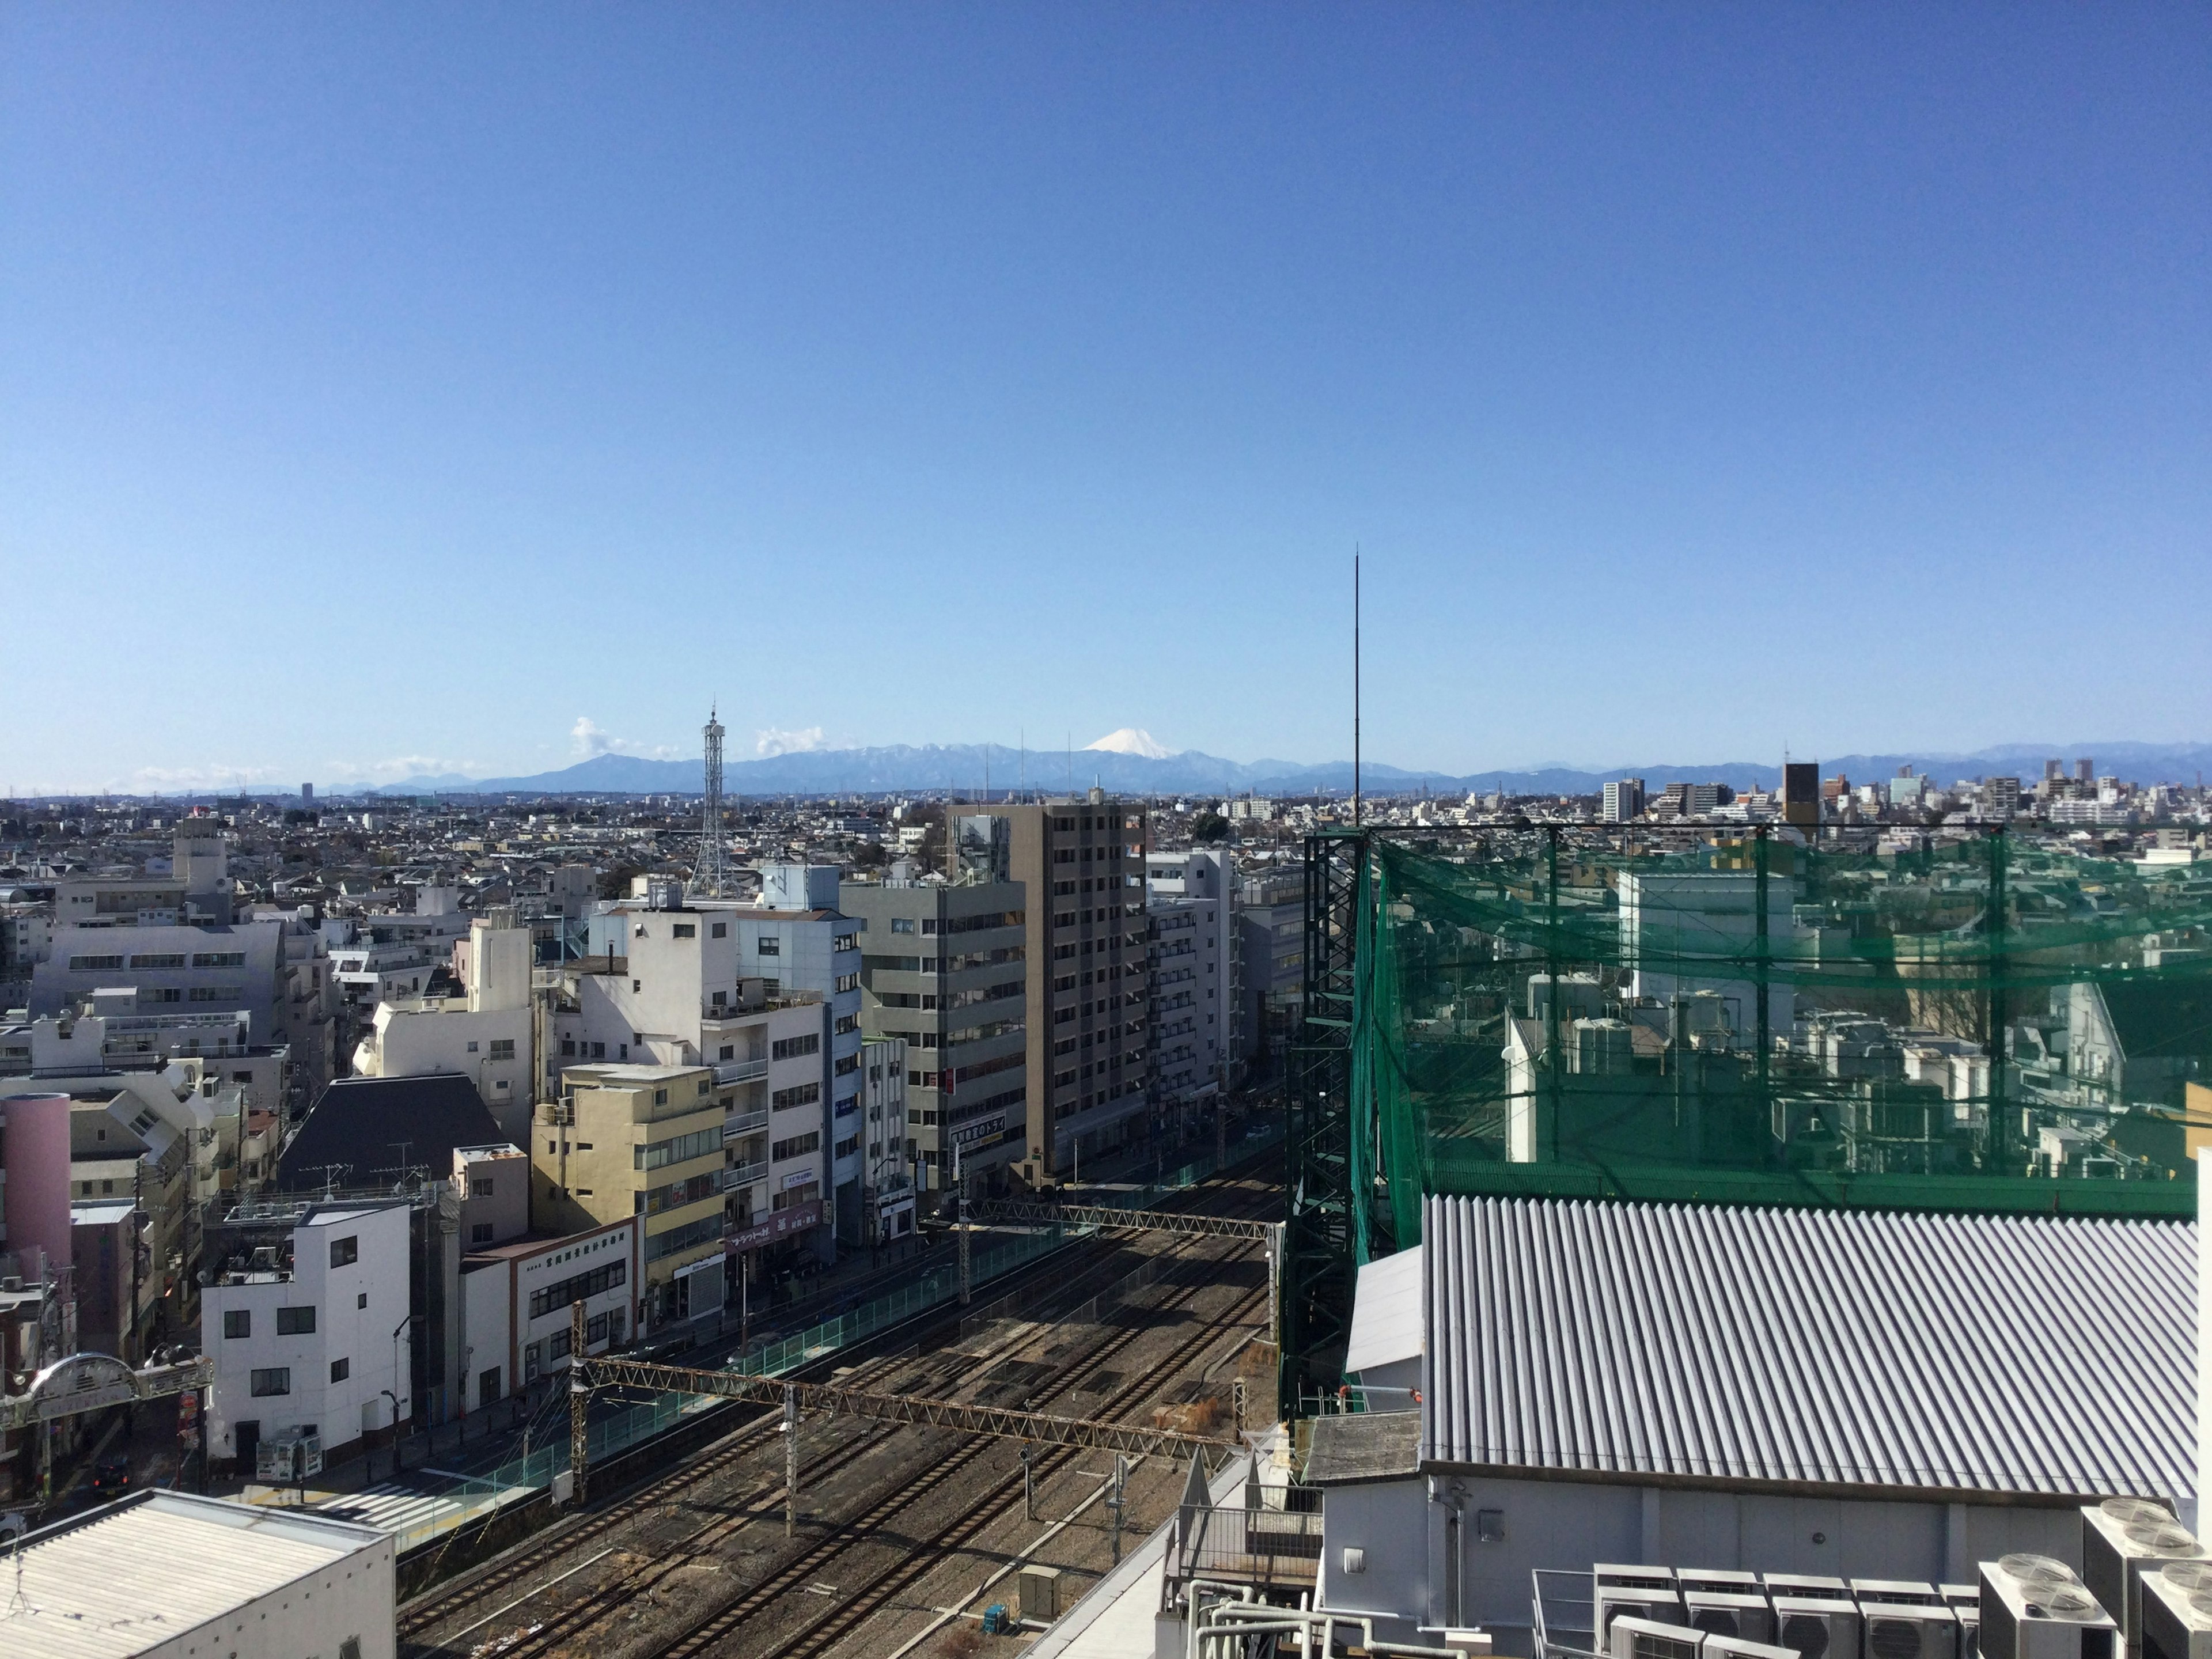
[(361, 1122)]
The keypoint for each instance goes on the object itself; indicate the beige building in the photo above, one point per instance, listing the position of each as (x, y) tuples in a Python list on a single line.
[(1081, 863), (644, 1141)]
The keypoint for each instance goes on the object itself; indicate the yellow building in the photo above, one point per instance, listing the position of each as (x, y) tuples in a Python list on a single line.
[(643, 1141)]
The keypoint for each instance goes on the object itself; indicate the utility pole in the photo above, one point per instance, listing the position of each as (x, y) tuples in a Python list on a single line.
[(1029, 1482), (1116, 1502), (580, 1406), (960, 1222), (790, 1459)]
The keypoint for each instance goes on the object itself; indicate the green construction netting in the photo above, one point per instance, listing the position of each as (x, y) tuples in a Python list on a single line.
[(1991, 1021)]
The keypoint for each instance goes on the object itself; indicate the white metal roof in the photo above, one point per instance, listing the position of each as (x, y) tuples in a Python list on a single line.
[(154, 1567), (1989, 1353), (1386, 1313)]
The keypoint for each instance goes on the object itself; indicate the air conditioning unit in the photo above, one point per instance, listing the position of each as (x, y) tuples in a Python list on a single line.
[(1731, 1647), (1723, 1579), (1642, 1591), (1631, 1637), (1817, 1626), (1907, 1591), (1649, 1603), (2177, 1611), (1805, 1584), (1742, 1617), (1906, 1630), (2121, 1538), (2035, 1607)]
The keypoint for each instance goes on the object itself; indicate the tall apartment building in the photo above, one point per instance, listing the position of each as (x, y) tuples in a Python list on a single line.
[(1189, 899), (1081, 862), (1623, 801), (1271, 923), (947, 971)]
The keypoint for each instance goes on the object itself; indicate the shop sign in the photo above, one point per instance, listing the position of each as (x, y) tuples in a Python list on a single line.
[(783, 1223)]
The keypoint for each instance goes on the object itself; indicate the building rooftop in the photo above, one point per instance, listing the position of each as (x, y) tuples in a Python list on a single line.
[(136, 1575), (1846, 1349)]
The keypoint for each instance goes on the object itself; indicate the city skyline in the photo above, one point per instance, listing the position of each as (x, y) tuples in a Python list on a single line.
[(384, 397)]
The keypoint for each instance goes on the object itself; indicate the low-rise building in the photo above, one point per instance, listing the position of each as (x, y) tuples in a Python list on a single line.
[(645, 1141), (485, 1035), (305, 1316), (517, 1297), (170, 1574)]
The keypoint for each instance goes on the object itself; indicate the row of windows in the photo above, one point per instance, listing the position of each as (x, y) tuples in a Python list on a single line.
[(792, 1048), (984, 1068), (290, 1321), (677, 1193), (578, 1287), (703, 1230), (848, 1147), (796, 1146), (677, 1149), (805, 1094)]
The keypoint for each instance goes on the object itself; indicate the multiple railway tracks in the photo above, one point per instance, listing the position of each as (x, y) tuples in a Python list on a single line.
[(696, 1563)]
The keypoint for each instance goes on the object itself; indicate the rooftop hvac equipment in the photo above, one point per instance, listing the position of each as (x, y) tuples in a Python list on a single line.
[(2121, 1538), (1631, 1637), (1732, 1613), (1648, 1602), (2177, 1611), (1817, 1626), (1905, 1630), (1805, 1584), (1645, 1591), (2035, 1607), (1731, 1647), (1716, 1578), (1907, 1591)]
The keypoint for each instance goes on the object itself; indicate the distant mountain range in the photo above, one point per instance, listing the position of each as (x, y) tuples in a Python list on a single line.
[(972, 767)]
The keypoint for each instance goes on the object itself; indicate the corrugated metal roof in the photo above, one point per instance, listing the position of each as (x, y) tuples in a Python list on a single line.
[(131, 1578), (1991, 1353)]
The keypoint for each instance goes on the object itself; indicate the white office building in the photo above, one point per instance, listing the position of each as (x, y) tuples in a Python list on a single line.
[(486, 1034)]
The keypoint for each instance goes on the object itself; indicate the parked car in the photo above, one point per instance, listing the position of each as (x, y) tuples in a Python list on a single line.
[(111, 1477)]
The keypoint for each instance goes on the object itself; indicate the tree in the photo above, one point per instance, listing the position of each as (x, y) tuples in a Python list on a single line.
[(1209, 826)]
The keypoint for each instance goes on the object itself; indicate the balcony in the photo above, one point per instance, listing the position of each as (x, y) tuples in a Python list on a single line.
[(744, 1123), (743, 1175), (740, 1071)]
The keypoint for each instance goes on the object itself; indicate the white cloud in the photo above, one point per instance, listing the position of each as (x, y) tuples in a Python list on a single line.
[(148, 780), (773, 741), (587, 738), (398, 766), (1131, 740)]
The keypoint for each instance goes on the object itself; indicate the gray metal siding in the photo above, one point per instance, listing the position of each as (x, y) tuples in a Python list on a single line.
[(1995, 1354)]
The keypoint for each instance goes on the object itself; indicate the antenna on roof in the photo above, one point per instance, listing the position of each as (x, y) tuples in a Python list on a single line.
[(1355, 685)]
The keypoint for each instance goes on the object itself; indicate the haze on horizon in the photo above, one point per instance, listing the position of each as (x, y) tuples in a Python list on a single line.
[(450, 390)]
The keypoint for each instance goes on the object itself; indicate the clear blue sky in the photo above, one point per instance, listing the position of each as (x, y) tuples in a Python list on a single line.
[(385, 387)]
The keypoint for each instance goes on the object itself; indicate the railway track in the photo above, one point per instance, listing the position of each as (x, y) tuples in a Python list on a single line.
[(638, 1512)]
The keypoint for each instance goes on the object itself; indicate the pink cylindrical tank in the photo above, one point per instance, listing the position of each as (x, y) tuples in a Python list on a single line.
[(34, 1148)]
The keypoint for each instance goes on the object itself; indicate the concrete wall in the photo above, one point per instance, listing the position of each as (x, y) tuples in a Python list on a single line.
[(36, 1147)]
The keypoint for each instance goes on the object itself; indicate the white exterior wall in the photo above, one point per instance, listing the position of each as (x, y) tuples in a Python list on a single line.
[(445, 1037), (357, 1309), (486, 1329), (1196, 885)]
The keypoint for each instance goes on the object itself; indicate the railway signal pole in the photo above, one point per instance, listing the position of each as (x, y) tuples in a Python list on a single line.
[(790, 1460), (580, 1406)]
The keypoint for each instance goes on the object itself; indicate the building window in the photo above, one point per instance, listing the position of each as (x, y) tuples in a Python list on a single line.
[(340, 1370), (686, 930), (768, 946), (238, 1322), (480, 1232), (472, 1047), (792, 1048), (295, 1321), (274, 1380), (721, 930), (901, 924), (502, 1047), (344, 1252)]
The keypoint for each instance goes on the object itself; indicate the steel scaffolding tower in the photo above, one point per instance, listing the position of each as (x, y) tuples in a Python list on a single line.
[(710, 876)]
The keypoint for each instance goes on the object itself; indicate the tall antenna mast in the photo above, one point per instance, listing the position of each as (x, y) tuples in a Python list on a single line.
[(709, 875), (1355, 685)]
